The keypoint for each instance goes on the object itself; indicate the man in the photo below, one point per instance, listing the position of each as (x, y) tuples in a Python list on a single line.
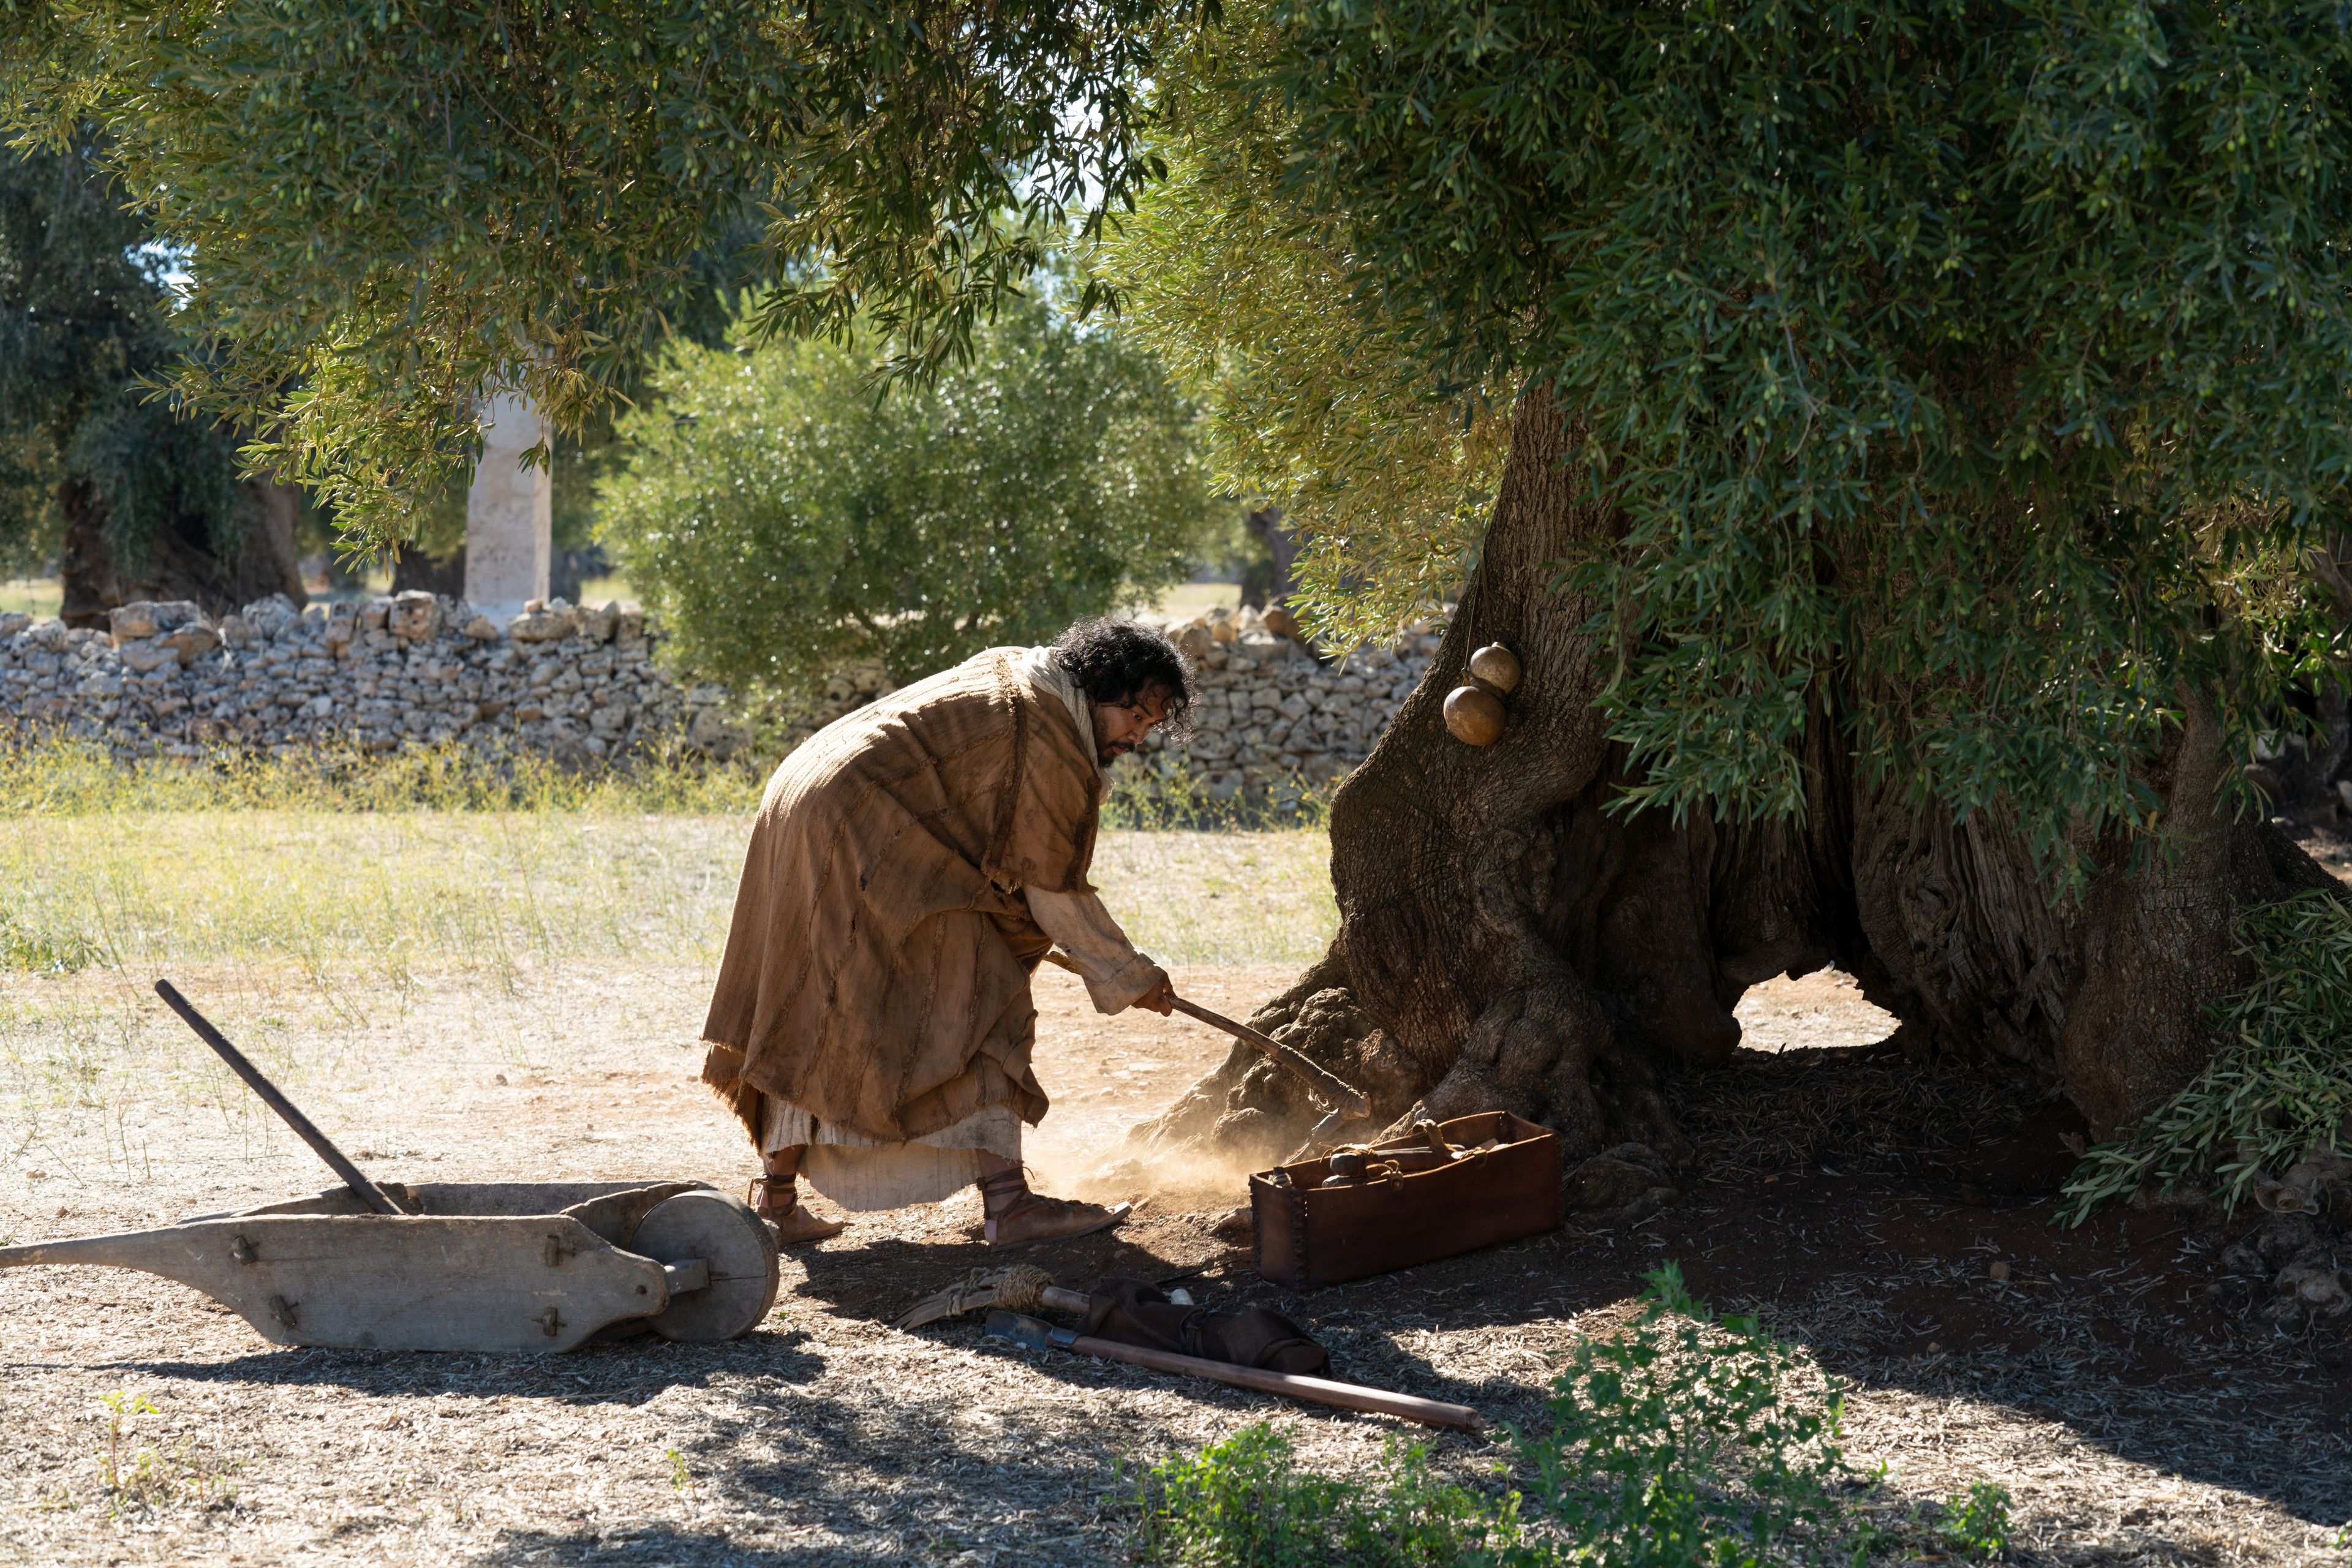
[(910, 866)]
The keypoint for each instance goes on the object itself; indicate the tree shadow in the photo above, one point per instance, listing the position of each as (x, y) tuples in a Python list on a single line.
[(871, 1474), (877, 1280)]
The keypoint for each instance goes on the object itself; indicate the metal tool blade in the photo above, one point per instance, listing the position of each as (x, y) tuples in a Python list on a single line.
[(1030, 1333)]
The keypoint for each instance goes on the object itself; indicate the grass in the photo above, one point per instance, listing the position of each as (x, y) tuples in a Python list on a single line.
[(313, 909), (348, 871), (144, 1479), (380, 898), (596, 590), (37, 596), (61, 778), (1192, 598)]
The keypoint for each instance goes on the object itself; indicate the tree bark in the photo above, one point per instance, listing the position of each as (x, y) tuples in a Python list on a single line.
[(417, 571), (1281, 544), (1505, 941)]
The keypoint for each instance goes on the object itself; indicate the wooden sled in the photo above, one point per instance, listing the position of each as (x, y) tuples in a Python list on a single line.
[(465, 1265), (454, 1266)]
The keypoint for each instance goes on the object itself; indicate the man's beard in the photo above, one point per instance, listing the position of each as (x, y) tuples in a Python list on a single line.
[(1111, 753)]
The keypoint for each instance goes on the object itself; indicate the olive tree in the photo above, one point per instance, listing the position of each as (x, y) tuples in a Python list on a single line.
[(1896, 432), (95, 473)]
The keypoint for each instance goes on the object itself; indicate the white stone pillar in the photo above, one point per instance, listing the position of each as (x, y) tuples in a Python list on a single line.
[(507, 513)]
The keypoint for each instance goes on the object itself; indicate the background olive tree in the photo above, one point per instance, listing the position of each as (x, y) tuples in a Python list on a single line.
[(788, 518), (131, 500)]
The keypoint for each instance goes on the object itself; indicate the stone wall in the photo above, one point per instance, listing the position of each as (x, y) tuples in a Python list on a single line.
[(573, 682), (581, 683), (1271, 712)]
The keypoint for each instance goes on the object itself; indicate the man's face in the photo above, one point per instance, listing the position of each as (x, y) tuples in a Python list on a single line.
[(1120, 727)]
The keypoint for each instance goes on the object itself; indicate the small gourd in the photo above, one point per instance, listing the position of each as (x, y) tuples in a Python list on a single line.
[(1498, 667), (1473, 715)]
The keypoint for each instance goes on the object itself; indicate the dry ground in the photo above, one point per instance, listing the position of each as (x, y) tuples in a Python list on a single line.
[(2109, 1381)]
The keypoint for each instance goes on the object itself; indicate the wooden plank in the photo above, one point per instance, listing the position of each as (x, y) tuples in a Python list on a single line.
[(514, 1198)]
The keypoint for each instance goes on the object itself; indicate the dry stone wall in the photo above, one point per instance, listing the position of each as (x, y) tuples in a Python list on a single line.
[(574, 682), (582, 683), (1272, 713)]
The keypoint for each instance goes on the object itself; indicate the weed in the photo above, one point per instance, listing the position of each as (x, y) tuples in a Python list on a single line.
[(147, 1480), (38, 948), (2280, 1082), (680, 1481), (1687, 1440), (1975, 1523), (120, 1407), (1244, 1501)]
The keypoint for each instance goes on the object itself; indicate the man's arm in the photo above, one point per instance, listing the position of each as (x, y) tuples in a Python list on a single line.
[(1116, 976)]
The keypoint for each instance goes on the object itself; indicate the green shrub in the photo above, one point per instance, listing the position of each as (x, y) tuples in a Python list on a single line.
[(2280, 1083), (789, 521), (1686, 1441), (1244, 1503)]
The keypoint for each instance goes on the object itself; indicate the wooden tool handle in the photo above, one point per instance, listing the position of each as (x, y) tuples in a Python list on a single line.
[(1319, 1390), (1335, 1092), (367, 1191)]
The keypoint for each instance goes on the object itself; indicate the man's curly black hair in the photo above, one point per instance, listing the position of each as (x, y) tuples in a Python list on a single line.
[(1119, 661)]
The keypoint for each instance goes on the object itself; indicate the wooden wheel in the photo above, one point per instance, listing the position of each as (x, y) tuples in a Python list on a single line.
[(740, 1250)]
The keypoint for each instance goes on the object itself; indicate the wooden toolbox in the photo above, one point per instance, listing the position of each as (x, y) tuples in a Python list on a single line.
[(1496, 1181)]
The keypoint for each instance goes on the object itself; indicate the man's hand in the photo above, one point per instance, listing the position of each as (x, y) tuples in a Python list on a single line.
[(1161, 997)]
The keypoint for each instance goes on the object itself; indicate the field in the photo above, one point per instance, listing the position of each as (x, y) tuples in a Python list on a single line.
[(480, 993)]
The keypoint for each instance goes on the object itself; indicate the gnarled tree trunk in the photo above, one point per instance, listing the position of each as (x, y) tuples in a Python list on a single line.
[(181, 562), (1506, 942)]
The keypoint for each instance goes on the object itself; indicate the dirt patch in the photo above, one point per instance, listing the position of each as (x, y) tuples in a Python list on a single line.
[(1824, 1009), (2113, 1380)]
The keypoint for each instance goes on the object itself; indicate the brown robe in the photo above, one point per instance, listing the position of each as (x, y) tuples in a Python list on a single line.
[(876, 972)]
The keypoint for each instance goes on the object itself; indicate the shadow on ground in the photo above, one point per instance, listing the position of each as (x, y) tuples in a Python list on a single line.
[(627, 1373)]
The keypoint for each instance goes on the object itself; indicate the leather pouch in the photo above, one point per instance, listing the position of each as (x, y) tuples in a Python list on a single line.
[(1134, 1313)]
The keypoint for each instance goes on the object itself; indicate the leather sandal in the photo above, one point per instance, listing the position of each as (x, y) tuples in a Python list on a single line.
[(790, 1219), (1026, 1218)]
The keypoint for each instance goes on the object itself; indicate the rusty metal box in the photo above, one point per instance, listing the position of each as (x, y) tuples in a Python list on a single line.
[(1501, 1182)]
